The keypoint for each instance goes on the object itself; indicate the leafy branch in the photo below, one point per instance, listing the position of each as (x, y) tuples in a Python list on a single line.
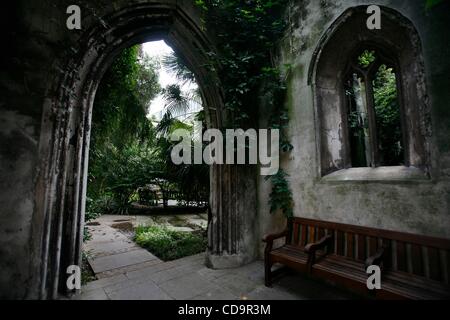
[(245, 68)]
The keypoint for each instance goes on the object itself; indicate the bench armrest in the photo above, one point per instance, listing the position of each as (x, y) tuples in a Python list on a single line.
[(377, 258), (311, 249), (272, 237), (269, 239), (323, 243)]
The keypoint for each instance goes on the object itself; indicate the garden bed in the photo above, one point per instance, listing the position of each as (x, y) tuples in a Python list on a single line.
[(169, 244)]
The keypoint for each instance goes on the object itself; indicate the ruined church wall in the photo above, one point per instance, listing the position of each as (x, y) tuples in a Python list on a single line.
[(38, 47), (421, 207)]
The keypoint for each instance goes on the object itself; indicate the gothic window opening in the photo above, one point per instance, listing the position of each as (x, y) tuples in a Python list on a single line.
[(374, 119)]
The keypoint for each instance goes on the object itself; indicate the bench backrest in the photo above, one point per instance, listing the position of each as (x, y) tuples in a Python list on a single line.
[(415, 254)]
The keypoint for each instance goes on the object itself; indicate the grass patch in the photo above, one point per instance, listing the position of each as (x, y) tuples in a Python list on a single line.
[(169, 244)]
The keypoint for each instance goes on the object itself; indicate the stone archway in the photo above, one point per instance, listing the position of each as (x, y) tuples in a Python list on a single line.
[(60, 199)]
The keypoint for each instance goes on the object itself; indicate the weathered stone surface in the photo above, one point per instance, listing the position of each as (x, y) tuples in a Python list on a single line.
[(120, 260), (188, 287), (402, 201), (45, 106), (95, 294), (237, 284), (102, 283), (216, 294), (142, 291)]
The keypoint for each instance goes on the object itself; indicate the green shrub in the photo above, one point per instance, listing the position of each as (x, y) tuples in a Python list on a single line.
[(168, 244), (95, 207), (86, 235)]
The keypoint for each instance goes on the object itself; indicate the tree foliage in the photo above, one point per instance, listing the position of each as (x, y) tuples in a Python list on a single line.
[(388, 120), (122, 100), (121, 133), (178, 66), (127, 151), (245, 64)]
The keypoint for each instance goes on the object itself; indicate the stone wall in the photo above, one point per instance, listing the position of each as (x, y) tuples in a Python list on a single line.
[(48, 79), (402, 202), (36, 57)]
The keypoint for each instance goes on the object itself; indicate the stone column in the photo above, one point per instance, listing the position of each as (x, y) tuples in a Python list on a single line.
[(233, 229)]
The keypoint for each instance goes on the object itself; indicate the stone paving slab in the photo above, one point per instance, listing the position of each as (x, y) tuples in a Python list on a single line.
[(121, 286), (105, 282), (109, 247), (277, 293), (188, 287), (236, 284), (120, 260), (147, 272), (217, 294), (142, 291), (132, 268), (212, 274), (105, 238), (96, 294), (173, 273)]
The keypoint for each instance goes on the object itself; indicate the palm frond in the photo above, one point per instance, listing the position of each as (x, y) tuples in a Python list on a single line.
[(176, 65), (176, 102), (163, 127)]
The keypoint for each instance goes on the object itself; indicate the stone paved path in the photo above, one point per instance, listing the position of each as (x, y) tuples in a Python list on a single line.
[(127, 272)]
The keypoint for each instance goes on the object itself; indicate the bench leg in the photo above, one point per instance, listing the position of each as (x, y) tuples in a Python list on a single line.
[(268, 272)]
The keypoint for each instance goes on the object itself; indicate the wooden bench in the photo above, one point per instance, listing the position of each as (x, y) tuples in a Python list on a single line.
[(413, 266)]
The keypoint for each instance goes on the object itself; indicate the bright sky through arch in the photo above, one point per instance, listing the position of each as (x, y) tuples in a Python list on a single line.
[(157, 50)]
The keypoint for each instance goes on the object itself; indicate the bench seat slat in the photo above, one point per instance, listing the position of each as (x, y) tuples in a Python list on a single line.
[(414, 288), (290, 256), (290, 252), (419, 282)]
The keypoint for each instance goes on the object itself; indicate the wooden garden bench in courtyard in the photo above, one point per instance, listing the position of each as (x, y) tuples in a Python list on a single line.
[(413, 266)]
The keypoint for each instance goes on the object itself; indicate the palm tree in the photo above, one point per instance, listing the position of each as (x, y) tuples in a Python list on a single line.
[(192, 180), (179, 103)]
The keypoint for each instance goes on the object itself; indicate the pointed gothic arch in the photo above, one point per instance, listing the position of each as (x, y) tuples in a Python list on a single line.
[(60, 200), (399, 39)]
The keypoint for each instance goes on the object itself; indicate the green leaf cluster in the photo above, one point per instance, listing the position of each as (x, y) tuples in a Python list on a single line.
[(388, 119), (247, 73), (127, 151), (281, 195), (122, 99), (169, 244)]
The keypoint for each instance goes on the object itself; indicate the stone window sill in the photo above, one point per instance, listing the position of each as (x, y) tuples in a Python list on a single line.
[(380, 174)]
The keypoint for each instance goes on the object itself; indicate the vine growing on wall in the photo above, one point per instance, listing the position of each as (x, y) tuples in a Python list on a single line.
[(247, 34), (431, 3)]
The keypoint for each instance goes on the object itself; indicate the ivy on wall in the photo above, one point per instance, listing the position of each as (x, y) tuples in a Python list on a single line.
[(247, 34), (431, 3)]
